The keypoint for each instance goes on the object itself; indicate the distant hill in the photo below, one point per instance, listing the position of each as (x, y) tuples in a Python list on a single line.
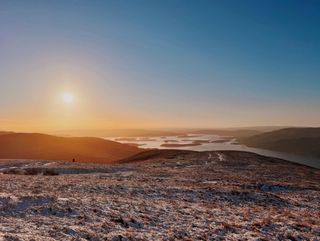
[(5, 132), (237, 133), (116, 133), (47, 147), (303, 141)]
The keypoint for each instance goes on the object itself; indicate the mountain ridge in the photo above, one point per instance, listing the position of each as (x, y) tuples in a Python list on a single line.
[(298, 140)]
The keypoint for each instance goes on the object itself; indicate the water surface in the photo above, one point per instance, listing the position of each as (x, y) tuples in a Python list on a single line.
[(215, 143)]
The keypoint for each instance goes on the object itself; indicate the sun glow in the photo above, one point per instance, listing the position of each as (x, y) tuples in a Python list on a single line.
[(68, 97)]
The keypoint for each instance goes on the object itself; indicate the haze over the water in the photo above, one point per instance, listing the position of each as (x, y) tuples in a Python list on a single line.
[(147, 64)]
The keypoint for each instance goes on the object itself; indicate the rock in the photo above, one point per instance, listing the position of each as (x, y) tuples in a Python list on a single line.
[(119, 238)]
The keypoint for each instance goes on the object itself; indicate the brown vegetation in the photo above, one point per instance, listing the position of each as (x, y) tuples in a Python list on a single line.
[(162, 195), (46, 147)]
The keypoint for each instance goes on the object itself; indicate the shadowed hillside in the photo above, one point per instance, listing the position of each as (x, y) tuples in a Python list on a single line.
[(303, 141), (156, 153), (5, 132), (46, 147)]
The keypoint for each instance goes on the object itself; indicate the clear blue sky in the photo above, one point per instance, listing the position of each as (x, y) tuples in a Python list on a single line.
[(173, 63)]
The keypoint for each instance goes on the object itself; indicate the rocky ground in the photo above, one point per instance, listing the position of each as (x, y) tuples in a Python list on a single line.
[(161, 195)]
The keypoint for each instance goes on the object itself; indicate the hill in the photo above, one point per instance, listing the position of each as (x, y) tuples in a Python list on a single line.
[(115, 133), (237, 133), (47, 147), (303, 141), (161, 195), (5, 132)]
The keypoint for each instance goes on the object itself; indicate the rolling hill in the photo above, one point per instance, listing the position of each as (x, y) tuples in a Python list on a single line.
[(237, 133), (115, 133), (303, 141), (5, 132), (47, 147)]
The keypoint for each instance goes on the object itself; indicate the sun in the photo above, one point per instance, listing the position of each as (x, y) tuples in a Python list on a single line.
[(68, 97)]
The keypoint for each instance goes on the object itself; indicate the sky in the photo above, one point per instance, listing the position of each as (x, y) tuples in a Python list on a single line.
[(158, 64)]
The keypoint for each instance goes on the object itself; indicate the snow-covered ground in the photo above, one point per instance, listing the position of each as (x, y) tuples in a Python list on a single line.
[(171, 196)]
